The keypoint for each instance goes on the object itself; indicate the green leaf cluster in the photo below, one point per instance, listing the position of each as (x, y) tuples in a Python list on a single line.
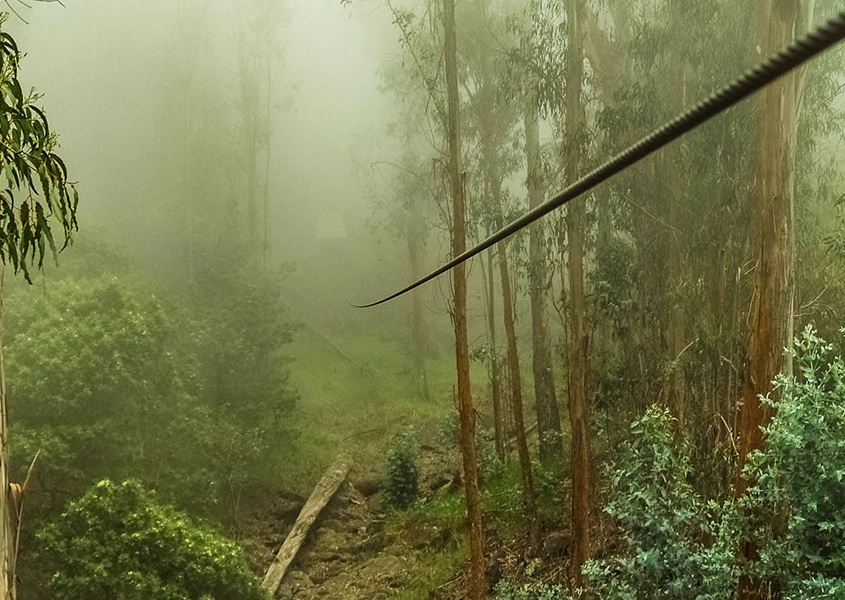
[(674, 547), (109, 380), (508, 591), (119, 541), (793, 512), (34, 184), (800, 477), (401, 478)]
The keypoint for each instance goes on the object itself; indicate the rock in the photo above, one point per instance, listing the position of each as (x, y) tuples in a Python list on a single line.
[(556, 544), (440, 481), (374, 504), (327, 569), (368, 486), (422, 536), (293, 585), (287, 508), (385, 569)]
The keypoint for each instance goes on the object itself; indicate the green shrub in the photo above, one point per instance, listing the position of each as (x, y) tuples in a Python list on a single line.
[(118, 541), (401, 472), (508, 591), (664, 524), (491, 465), (800, 478)]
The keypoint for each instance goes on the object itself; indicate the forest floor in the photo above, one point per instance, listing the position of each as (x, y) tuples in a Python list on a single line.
[(358, 548)]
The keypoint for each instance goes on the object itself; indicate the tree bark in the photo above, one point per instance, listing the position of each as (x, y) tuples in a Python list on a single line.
[(495, 377), (323, 492), (674, 186), (528, 500), (546, 406), (476, 583), (419, 328), (7, 577), (770, 327), (577, 342)]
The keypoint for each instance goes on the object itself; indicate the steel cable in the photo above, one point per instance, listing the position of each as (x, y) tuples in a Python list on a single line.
[(797, 53)]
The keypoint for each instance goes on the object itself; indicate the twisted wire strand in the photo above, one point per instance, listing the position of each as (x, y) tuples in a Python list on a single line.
[(797, 53)]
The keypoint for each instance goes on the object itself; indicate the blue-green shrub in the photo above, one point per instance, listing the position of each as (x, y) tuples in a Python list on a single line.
[(799, 479), (674, 544)]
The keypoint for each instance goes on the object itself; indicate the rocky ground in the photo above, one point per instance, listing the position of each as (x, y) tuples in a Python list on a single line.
[(357, 551), (348, 553)]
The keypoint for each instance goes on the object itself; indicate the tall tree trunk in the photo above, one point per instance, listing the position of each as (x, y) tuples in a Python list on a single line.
[(528, 501), (495, 376), (770, 327), (674, 185), (577, 343), (419, 328), (7, 536), (548, 412), (476, 584)]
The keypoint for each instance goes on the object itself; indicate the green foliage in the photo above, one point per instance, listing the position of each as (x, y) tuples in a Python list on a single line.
[(488, 459), (664, 523), (97, 378), (446, 508), (34, 184), (508, 591), (109, 381), (800, 477), (242, 335), (501, 500), (119, 541), (401, 476)]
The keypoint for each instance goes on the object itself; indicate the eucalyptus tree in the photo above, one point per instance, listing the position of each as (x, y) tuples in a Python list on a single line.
[(476, 584), (259, 55), (35, 191), (575, 128), (670, 277), (556, 84), (773, 238), (430, 47), (532, 78), (492, 122), (407, 211)]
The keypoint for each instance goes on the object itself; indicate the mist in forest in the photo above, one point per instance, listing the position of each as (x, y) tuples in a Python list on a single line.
[(134, 88), (638, 374)]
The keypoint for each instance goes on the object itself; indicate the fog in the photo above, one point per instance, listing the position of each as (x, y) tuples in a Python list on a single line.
[(123, 82)]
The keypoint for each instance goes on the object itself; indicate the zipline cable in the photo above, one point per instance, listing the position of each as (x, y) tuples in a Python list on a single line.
[(797, 53)]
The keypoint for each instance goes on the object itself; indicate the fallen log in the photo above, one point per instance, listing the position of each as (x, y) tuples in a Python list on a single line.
[(323, 492)]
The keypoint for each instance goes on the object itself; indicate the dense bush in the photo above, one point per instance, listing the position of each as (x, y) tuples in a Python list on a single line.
[(507, 591), (665, 525), (109, 380), (800, 478), (118, 541), (98, 381), (401, 472)]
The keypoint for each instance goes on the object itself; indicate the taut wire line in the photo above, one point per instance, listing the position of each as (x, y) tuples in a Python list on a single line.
[(793, 56)]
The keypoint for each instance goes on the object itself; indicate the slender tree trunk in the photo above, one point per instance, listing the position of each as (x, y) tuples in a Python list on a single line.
[(419, 327), (528, 501), (548, 412), (476, 583), (265, 216), (770, 327), (674, 193), (7, 536), (578, 347), (495, 376)]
